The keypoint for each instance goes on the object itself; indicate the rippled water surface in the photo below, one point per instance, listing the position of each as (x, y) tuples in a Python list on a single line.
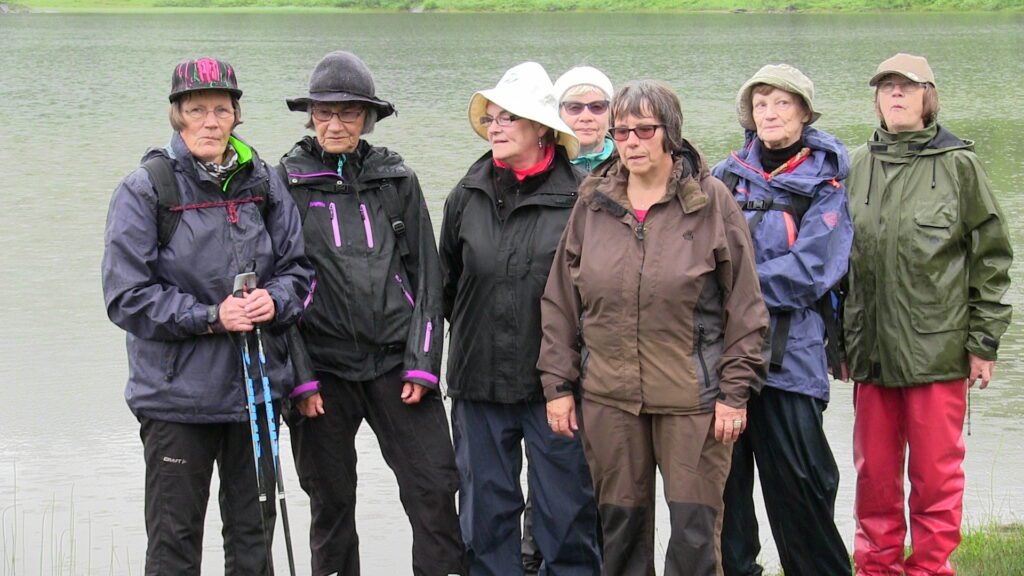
[(82, 96)]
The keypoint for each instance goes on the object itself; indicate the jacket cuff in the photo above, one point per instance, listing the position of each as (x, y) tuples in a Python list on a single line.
[(421, 377), (555, 388), (982, 346), (736, 397), (303, 391)]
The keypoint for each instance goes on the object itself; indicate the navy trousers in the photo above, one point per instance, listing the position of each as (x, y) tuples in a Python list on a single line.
[(799, 480), (488, 449)]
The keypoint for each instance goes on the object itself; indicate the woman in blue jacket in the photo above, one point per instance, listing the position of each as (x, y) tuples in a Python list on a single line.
[(170, 288), (788, 178)]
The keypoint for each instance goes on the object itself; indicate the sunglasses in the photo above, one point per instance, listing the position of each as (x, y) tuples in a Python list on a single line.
[(597, 107), (643, 132)]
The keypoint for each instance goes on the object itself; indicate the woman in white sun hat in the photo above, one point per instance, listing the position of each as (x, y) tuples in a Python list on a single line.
[(502, 223)]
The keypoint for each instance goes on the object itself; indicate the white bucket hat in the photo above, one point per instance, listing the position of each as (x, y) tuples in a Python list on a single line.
[(525, 90), (583, 75)]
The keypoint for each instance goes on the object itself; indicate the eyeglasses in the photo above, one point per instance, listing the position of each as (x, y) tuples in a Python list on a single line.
[(596, 107), (200, 113), (348, 115), (643, 132), (888, 86), (502, 119)]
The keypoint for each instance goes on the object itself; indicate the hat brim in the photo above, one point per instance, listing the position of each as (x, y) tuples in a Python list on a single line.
[(908, 75), (234, 92), (564, 136), (384, 109), (743, 101)]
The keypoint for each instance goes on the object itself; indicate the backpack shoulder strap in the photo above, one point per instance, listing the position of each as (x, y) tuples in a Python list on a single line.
[(393, 208), (301, 205), (161, 174), (731, 180)]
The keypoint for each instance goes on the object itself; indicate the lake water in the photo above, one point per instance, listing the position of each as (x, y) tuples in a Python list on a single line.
[(82, 96)]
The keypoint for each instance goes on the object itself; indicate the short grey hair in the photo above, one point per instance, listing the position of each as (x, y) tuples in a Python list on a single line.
[(177, 117), (652, 98), (369, 123), (582, 90)]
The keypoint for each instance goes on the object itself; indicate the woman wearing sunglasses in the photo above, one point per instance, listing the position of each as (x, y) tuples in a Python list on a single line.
[(584, 93), (501, 225), (657, 262)]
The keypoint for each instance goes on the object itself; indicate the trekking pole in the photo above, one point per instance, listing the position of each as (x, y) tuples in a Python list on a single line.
[(272, 427), (241, 281)]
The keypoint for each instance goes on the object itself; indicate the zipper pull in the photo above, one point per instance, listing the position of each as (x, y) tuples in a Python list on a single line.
[(639, 230)]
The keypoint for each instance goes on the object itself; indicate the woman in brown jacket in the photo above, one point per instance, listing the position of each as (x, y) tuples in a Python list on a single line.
[(656, 272)]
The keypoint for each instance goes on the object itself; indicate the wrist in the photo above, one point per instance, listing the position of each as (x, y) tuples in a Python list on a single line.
[(213, 323)]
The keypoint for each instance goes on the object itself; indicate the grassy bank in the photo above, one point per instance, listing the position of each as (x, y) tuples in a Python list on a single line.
[(537, 5), (995, 550)]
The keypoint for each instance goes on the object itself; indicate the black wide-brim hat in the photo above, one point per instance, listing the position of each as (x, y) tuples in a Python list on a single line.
[(342, 77)]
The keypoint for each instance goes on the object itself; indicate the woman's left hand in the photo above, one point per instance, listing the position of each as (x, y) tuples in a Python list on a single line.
[(562, 416), (981, 369), (729, 422), (259, 306)]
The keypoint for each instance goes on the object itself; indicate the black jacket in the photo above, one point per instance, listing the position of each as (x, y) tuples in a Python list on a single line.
[(367, 312), (498, 240)]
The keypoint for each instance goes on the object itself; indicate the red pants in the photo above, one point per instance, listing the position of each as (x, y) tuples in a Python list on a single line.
[(929, 419)]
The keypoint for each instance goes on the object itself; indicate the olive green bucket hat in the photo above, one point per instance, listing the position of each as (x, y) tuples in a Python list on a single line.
[(783, 77)]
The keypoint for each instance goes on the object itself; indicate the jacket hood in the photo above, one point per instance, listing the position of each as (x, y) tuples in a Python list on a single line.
[(606, 187), (828, 161), (177, 150), (900, 147), (307, 158), (562, 174)]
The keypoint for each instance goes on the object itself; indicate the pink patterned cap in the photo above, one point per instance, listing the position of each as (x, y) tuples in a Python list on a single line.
[(203, 74)]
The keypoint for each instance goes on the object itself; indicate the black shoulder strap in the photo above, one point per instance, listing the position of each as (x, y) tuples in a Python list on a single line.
[(731, 180), (161, 173), (302, 205), (393, 208)]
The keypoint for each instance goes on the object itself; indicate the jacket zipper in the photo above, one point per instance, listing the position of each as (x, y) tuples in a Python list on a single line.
[(700, 355), (426, 336), (401, 284), (334, 226), (366, 225), (309, 297)]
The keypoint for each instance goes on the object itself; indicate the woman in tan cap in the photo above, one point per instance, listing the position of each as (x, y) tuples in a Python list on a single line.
[(788, 178), (501, 225), (924, 315), (655, 275)]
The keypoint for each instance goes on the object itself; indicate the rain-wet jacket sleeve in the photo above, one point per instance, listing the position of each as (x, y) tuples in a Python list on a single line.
[(742, 364), (293, 273), (422, 361), (135, 300), (817, 260), (989, 257), (450, 250), (560, 309)]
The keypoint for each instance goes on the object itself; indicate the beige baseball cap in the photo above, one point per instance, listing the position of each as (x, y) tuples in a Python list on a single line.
[(915, 68)]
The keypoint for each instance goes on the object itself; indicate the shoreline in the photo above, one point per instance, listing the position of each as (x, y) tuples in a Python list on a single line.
[(518, 7)]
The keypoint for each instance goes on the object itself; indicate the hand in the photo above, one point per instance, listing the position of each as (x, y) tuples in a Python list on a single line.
[(412, 392), (311, 406), (726, 420), (980, 368), (562, 416), (232, 315), (259, 306)]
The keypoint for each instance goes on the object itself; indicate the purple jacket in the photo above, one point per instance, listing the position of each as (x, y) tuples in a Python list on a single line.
[(160, 295), (798, 262)]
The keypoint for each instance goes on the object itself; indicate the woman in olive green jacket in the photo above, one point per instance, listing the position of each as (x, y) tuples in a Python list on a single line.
[(928, 271)]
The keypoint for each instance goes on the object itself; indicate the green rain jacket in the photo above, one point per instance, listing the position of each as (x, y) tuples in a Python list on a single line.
[(930, 260)]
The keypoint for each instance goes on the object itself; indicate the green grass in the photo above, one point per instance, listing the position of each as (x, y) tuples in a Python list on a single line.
[(534, 5), (991, 550)]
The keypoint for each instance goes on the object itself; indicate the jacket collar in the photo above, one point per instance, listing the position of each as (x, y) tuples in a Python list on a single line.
[(249, 166), (828, 161), (900, 147), (306, 160), (562, 180), (606, 187)]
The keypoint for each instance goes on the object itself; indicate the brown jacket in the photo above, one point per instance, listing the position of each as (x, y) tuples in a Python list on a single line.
[(671, 309)]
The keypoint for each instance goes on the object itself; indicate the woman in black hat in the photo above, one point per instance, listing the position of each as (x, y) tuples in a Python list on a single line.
[(179, 229), (372, 326)]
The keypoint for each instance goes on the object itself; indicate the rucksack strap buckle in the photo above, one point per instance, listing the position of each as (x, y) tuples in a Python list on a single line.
[(399, 227)]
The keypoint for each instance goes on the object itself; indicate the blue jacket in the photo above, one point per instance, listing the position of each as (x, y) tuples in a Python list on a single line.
[(797, 262), (160, 295)]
